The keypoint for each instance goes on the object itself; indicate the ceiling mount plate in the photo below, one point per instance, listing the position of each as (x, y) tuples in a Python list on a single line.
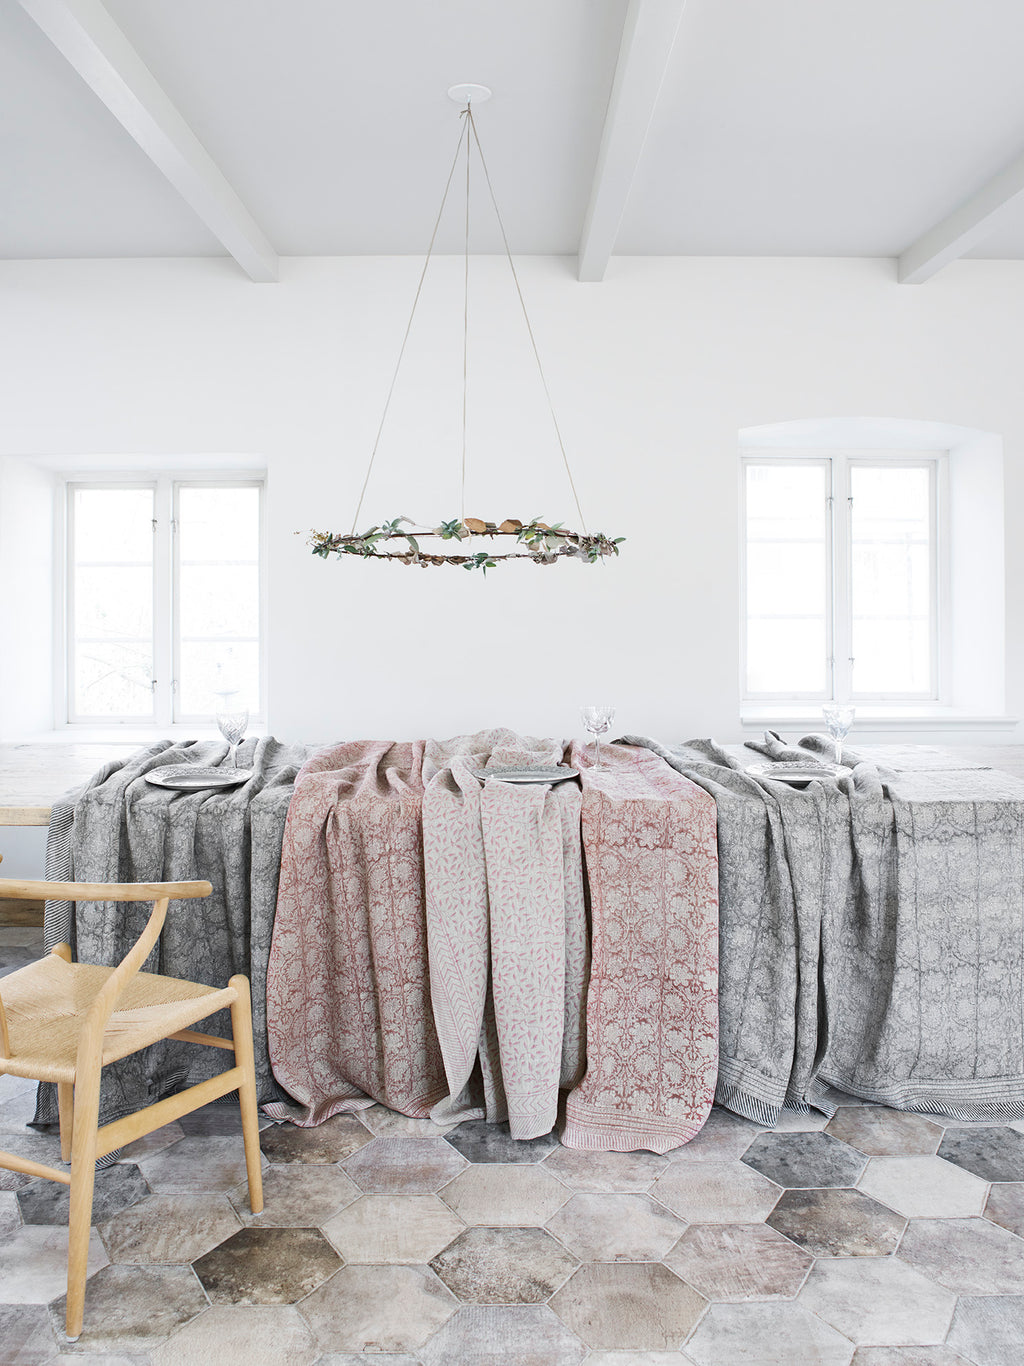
[(469, 94)]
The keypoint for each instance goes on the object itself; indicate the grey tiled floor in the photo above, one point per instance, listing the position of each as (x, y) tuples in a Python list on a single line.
[(873, 1239)]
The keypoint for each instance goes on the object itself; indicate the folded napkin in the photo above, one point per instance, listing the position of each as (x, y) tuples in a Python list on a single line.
[(774, 747)]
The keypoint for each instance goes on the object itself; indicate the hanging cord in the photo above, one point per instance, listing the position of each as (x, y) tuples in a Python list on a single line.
[(526, 317), (467, 113), (408, 328)]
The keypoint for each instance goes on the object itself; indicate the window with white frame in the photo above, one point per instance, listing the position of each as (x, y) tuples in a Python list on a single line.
[(164, 598), (841, 577)]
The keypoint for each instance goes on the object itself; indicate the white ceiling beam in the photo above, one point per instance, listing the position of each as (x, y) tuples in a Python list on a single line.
[(964, 228), (86, 35), (648, 36)]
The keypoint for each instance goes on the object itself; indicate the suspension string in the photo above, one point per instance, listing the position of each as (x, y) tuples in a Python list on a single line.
[(468, 111), (423, 274), (526, 317)]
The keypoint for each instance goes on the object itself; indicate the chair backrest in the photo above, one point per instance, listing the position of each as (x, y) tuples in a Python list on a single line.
[(160, 893)]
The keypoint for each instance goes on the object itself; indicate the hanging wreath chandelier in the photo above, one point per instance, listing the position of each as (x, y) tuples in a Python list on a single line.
[(478, 544)]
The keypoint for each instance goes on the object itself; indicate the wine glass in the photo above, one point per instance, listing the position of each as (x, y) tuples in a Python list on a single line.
[(597, 721), (232, 722), (838, 721)]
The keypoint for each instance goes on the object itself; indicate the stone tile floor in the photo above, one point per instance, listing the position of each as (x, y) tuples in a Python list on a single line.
[(872, 1239)]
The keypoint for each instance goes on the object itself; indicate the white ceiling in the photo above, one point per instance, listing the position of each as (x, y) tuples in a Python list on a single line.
[(784, 127)]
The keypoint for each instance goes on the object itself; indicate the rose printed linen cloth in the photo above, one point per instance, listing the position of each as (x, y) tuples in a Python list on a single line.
[(872, 933), (348, 984), (507, 929), (119, 828), (652, 1013)]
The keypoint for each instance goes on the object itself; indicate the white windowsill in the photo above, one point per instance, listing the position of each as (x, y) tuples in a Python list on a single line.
[(921, 716), (127, 734)]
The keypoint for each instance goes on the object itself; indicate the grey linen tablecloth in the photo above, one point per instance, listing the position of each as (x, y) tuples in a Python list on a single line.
[(119, 828), (871, 932)]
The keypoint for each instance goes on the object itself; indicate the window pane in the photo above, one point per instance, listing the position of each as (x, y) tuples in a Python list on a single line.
[(112, 602), (218, 598), (787, 578), (891, 578)]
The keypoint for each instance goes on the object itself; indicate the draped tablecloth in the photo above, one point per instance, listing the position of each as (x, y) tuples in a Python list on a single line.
[(872, 933), (119, 828), (430, 949)]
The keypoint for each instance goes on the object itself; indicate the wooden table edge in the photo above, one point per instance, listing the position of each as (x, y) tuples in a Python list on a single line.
[(25, 815)]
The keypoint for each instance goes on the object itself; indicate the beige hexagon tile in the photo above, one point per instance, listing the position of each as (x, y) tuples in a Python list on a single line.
[(193, 1165), (170, 1229), (503, 1335), (405, 1166), (582, 1170), (616, 1228), (10, 1215), (34, 1263), (908, 1356), (924, 1187), (627, 1305), (725, 1136), (878, 1301), (298, 1195), (638, 1359), (267, 1335), (505, 1193), (739, 1262), (716, 1193), (378, 1309), (879, 1132), (132, 1309), (333, 1141), (504, 1265), (26, 1334), (266, 1266), (152, 1143), (390, 1124), (391, 1229)]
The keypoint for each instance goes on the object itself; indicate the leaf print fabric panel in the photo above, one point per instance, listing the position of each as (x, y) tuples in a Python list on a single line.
[(652, 1016)]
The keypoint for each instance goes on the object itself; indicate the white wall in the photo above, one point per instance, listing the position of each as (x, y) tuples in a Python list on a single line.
[(653, 373), (26, 624)]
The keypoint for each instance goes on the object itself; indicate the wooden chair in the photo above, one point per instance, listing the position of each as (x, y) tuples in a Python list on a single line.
[(63, 1022)]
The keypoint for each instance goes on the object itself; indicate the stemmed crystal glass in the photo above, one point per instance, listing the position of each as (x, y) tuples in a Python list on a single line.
[(232, 722), (597, 721), (838, 721)]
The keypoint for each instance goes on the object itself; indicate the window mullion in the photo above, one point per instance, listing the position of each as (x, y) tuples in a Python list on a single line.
[(842, 626)]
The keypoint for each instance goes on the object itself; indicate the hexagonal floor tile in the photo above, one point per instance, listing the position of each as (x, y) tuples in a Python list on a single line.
[(393, 1228), (716, 1193), (133, 1308), (154, 1142), (621, 1305), (10, 1215), (390, 1124), (724, 1137), (1005, 1206), (923, 1187), (196, 1164), (616, 1228), (504, 1266), (270, 1336), (330, 1142), (479, 1141), (34, 1263), (117, 1188), (991, 1153), (26, 1333), (267, 1266), (404, 1166), (989, 1329), (837, 1223), (496, 1194), (169, 1229), (582, 1170), (970, 1256), (766, 1335), (378, 1309), (296, 1196), (804, 1160), (489, 1335), (908, 1356), (739, 1262), (880, 1132), (878, 1301)]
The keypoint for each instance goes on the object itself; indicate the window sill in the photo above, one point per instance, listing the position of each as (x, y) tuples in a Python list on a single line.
[(873, 716), (126, 734)]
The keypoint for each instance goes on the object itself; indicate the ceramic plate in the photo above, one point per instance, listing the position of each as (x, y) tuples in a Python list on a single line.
[(196, 778), (551, 774), (797, 772)]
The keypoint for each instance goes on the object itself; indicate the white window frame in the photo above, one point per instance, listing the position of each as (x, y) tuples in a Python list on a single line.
[(839, 607), (166, 643)]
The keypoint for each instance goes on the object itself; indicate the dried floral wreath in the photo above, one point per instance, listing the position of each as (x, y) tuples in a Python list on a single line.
[(543, 544)]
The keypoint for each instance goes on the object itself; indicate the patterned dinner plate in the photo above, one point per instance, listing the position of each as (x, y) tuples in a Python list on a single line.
[(550, 774), (197, 777), (796, 772)]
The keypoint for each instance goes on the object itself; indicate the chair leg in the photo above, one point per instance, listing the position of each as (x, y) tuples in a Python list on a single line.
[(241, 1033), (83, 1175), (66, 1111)]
